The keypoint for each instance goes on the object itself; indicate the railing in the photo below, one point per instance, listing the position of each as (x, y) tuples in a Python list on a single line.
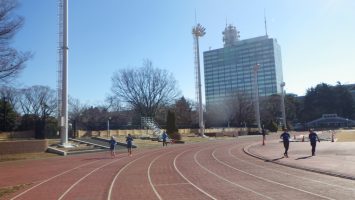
[(148, 122)]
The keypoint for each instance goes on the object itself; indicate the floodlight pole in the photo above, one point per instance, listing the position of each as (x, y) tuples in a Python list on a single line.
[(283, 110), (198, 31)]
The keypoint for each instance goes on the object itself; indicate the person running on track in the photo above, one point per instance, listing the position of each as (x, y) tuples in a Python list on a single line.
[(313, 137), (129, 140), (286, 140), (263, 132), (164, 137), (112, 143)]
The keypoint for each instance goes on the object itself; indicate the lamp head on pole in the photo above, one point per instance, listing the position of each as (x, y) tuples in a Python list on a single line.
[(198, 30)]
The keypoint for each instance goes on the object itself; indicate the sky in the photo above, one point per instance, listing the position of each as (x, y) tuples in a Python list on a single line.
[(316, 38)]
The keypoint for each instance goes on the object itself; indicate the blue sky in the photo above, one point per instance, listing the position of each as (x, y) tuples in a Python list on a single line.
[(316, 37)]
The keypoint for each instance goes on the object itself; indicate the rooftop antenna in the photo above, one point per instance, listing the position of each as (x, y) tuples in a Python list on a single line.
[(265, 24)]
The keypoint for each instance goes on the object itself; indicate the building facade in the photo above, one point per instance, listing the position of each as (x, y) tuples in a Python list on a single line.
[(229, 70)]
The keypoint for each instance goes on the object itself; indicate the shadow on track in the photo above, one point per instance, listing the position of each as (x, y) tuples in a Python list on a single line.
[(304, 157), (272, 160)]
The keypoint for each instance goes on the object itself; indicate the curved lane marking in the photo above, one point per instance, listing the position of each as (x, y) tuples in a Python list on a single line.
[(285, 173), (199, 189), (149, 178), (121, 170), (88, 174), (267, 180), (228, 181), (53, 177)]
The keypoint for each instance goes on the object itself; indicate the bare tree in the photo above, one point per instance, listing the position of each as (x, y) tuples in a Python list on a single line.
[(113, 104), (235, 109), (38, 100), (12, 95), (11, 61), (145, 89)]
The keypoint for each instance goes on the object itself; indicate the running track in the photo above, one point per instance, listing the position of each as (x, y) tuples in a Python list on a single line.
[(211, 170)]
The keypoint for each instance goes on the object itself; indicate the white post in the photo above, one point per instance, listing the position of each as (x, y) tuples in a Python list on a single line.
[(283, 110), (64, 116), (256, 96)]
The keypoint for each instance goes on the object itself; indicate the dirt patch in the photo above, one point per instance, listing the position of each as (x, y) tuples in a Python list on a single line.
[(9, 190), (345, 136), (25, 156)]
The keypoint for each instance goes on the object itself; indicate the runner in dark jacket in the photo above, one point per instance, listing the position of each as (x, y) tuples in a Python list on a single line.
[(286, 140), (313, 137)]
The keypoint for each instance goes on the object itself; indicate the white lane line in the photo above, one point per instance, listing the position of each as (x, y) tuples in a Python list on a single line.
[(199, 189), (88, 174), (170, 184), (149, 178), (288, 174), (267, 180), (53, 177), (233, 183), (121, 170)]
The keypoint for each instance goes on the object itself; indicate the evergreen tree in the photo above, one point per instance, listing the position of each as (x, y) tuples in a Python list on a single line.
[(7, 116), (171, 129)]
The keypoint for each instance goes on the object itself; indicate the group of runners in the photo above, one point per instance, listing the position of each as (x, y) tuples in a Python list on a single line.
[(129, 140), (313, 138), (113, 143)]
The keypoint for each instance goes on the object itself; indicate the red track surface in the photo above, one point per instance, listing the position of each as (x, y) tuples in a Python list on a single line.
[(212, 170)]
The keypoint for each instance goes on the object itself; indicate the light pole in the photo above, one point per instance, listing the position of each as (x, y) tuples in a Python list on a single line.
[(256, 96), (198, 31), (108, 126), (283, 105), (4, 107)]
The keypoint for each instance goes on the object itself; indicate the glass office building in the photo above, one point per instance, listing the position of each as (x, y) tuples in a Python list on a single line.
[(229, 70)]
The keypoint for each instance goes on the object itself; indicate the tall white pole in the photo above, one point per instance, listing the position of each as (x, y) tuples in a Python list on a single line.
[(64, 116), (200, 113), (283, 110), (199, 31), (256, 96)]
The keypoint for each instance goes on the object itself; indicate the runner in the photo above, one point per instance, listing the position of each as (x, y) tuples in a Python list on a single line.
[(313, 137), (263, 132), (129, 140), (286, 140), (112, 143), (164, 137)]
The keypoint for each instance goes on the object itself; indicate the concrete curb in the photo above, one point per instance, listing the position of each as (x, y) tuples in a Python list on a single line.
[(56, 151), (84, 142), (261, 157)]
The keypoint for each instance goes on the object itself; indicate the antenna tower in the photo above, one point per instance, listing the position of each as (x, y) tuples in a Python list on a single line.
[(265, 23), (198, 31)]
